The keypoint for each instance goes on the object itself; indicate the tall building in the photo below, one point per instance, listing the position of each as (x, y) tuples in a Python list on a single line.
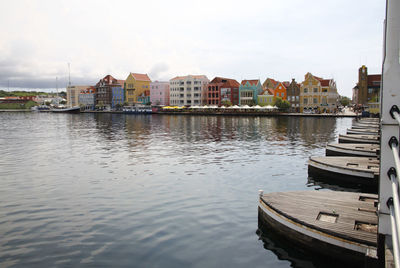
[(104, 90), (318, 94), (159, 93), (73, 95), (87, 98), (117, 94), (137, 88), (222, 91), (248, 92), (367, 90), (188, 90), (293, 96)]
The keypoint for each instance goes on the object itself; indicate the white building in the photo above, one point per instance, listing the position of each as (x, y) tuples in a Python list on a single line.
[(187, 90)]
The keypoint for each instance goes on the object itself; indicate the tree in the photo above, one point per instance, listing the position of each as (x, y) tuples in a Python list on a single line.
[(226, 103), (344, 100), (281, 104)]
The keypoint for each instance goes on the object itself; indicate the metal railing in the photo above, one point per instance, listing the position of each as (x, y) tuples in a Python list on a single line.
[(393, 202)]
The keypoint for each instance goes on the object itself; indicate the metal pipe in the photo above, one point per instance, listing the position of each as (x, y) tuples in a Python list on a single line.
[(397, 117), (396, 204), (395, 241)]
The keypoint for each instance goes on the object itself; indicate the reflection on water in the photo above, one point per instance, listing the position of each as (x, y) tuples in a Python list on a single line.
[(147, 190)]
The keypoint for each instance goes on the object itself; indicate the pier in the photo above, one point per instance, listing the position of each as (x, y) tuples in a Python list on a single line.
[(352, 226)]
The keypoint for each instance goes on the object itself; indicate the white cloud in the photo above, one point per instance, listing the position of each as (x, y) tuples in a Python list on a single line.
[(253, 39)]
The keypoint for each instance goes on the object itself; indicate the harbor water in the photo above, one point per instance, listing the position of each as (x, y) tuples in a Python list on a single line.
[(114, 190)]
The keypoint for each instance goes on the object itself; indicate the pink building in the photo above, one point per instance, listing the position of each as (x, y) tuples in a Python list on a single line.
[(159, 93)]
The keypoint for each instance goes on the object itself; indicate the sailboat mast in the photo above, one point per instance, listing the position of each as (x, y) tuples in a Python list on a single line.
[(69, 75)]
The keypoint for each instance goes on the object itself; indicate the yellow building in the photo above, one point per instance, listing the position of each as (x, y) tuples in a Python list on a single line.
[(137, 88), (318, 95)]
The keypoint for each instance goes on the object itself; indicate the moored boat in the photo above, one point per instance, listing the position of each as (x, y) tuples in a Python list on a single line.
[(75, 109), (339, 224), (352, 149), (137, 109), (358, 138), (346, 170)]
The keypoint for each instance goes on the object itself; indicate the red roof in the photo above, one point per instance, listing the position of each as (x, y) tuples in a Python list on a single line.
[(140, 77), (226, 81), (251, 82), (286, 84), (271, 91), (194, 76), (325, 82)]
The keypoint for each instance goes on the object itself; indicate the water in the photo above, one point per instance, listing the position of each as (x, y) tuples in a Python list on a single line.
[(149, 191)]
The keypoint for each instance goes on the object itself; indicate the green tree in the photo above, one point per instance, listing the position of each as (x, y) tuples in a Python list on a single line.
[(344, 100), (281, 104), (226, 103)]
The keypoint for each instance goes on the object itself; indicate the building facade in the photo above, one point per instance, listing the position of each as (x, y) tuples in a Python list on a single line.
[(367, 90), (318, 95), (104, 91), (117, 94), (293, 96), (188, 90), (73, 95), (248, 92), (265, 99), (159, 93), (87, 98), (137, 88), (222, 91), (269, 83)]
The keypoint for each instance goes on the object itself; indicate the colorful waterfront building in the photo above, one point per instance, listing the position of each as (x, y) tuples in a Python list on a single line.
[(222, 91), (137, 88), (248, 92), (280, 90), (104, 91), (265, 98), (318, 94), (270, 83), (117, 94), (73, 94), (159, 93), (87, 98), (367, 90), (188, 90), (293, 96)]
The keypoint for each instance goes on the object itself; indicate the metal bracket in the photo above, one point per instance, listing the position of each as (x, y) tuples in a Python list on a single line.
[(393, 110), (393, 140), (389, 202), (392, 171)]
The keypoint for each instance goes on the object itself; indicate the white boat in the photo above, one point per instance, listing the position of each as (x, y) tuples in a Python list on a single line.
[(75, 109), (137, 109)]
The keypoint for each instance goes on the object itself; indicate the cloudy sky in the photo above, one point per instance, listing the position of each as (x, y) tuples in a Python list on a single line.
[(281, 39)]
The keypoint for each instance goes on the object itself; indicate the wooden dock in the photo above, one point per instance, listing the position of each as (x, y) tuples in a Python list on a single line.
[(355, 138), (341, 225), (362, 171), (352, 149), (367, 131)]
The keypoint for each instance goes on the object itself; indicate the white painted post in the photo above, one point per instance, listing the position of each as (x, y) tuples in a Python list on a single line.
[(390, 99)]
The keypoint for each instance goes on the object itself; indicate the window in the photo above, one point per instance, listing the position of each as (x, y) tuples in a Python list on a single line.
[(315, 100), (305, 90), (315, 90), (305, 101)]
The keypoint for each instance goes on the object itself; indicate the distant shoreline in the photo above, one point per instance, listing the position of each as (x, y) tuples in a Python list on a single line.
[(209, 113)]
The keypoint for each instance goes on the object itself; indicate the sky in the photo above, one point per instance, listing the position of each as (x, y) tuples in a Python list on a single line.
[(279, 39)]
